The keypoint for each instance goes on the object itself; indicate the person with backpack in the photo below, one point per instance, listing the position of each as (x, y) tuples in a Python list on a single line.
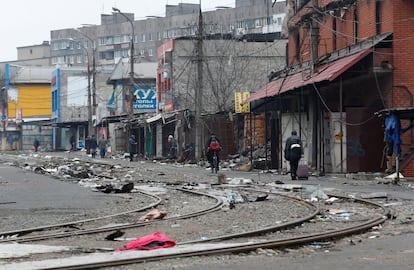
[(213, 145), (293, 152)]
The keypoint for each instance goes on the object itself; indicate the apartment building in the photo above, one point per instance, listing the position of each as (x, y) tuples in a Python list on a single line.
[(110, 41)]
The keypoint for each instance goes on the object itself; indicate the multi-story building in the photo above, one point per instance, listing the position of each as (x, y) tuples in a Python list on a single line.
[(347, 61), (99, 48), (111, 39)]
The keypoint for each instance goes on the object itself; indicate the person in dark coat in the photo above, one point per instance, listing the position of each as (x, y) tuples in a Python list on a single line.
[(93, 144), (293, 153), (209, 149), (132, 145), (36, 144), (72, 143), (87, 145)]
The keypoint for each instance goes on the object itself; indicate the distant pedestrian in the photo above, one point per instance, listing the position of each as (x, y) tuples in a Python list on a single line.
[(88, 145), (293, 153), (102, 144), (132, 145), (36, 144), (93, 144), (173, 147), (213, 146), (72, 143)]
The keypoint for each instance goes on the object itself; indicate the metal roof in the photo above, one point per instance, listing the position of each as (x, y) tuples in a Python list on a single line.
[(337, 64), (328, 72)]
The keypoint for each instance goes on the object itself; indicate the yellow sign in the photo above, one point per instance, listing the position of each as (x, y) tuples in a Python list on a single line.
[(239, 97)]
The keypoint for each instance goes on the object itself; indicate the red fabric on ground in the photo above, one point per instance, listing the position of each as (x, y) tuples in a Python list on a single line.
[(154, 240)]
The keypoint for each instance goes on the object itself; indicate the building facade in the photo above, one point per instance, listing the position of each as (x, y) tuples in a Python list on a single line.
[(347, 61), (112, 37), (226, 66)]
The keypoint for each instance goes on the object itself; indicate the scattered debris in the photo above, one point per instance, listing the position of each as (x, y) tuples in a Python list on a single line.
[(221, 178), (240, 181), (114, 235), (152, 215), (245, 167), (127, 188), (394, 176)]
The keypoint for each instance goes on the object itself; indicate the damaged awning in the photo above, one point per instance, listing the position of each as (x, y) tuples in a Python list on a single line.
[(161, 117), (291, 80)]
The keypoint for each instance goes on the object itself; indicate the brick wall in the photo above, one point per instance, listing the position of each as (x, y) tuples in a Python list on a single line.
[(338, 29)]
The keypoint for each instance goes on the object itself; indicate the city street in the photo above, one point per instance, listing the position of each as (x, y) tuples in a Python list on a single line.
[(387, 247)]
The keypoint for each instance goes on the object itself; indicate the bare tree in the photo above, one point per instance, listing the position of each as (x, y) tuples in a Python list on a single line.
[(229, 66)]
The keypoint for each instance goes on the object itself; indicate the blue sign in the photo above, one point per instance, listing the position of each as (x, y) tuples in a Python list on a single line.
[(3, 117), (146, 98)]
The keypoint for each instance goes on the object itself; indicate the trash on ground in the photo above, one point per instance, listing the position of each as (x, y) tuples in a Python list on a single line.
[(152, 215), (114, 235)]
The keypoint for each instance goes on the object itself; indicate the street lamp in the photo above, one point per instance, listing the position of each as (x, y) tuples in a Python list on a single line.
[(89, 90), (130, 108), (92, 107)]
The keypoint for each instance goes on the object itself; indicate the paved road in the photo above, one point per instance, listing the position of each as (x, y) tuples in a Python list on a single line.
[(20, 190), (24, 190)]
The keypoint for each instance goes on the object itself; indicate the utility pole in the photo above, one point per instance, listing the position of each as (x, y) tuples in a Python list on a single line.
[(131, 99), (199, 88), (3, 102), (91, 101), (94, 82), (89, 98)]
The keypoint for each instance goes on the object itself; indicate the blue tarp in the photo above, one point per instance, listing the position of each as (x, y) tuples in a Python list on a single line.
[(393, 131)]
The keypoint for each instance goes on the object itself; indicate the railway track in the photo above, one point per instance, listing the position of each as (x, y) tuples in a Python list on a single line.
[(212, 229), (31, 238), (278, 236)]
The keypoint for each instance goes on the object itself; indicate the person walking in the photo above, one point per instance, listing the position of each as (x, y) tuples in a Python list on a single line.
[(93, 144), (102, 144), (88, 145), (293, 153), (132, 145), (173, 147), (36, 144), (72, 143)]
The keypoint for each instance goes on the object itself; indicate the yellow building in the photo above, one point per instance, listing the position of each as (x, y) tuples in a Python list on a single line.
[(29, 101)]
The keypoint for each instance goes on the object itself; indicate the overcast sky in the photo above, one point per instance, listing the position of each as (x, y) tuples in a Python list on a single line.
[(29, 22)]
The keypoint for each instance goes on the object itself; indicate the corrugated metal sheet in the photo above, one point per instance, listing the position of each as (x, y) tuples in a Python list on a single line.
[(328, 72), (339, 62)]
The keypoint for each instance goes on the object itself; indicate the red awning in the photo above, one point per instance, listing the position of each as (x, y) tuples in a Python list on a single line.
[(328, 72)]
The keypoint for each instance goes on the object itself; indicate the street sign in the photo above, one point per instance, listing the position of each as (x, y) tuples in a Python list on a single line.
[(3, 117)]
